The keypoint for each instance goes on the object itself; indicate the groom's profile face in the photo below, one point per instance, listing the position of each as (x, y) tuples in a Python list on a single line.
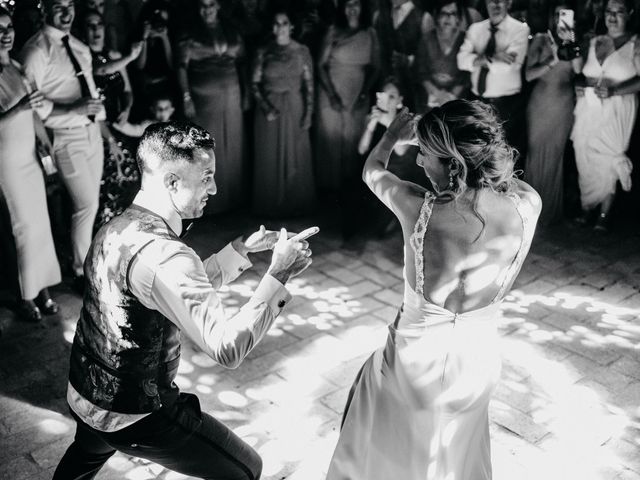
[(193, 182)]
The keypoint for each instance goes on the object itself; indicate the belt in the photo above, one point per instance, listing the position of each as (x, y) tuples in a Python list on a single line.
[(69, 128)]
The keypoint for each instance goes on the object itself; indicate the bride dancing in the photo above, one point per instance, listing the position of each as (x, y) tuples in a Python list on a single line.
[(419, 406)]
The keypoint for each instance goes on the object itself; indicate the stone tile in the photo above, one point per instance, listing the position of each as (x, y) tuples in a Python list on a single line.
[(377, 275), (627, 366), (628, 474), (390, 297), (600, 278), (539, 287), (616, 293), (49, 455), (336, 401), (361, 289), (516, 422), (627, 454), (273, 341), (19, 468), (386, 314), (571, 328), (597, 352), (343, 275)]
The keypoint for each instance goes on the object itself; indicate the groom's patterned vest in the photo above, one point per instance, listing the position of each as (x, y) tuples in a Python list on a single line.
[(124, 356)]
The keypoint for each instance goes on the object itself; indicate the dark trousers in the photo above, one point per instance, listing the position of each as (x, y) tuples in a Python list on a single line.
[(512, 111), (179, 437)]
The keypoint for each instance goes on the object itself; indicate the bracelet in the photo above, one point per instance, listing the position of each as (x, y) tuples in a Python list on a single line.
[(186, 96)]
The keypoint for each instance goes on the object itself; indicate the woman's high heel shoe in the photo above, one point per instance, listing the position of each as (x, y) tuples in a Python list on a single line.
[(47, 305), (29, 311)]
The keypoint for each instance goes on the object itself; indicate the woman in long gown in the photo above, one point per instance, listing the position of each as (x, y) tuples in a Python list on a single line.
[(605, 113), (208, 78), (23, 186), (549, 114), (419, 407), (347, 68), (283, 88)]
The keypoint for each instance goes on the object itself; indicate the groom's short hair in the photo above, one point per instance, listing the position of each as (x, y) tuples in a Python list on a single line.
[(171, 142)]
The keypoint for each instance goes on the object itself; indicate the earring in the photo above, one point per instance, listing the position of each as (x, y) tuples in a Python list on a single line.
[(451, 175)]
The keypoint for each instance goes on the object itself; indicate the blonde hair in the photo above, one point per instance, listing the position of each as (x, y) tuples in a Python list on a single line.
[(468, 136)]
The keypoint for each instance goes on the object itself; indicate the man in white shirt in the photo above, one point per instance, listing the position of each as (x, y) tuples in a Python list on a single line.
[(144, 288), (494, 51), (59, 65)]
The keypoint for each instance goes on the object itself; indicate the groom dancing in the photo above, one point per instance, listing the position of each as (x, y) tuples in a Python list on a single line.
[(144, 287)]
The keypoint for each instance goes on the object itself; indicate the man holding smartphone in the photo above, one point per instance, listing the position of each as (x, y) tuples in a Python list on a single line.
[(145, 287)]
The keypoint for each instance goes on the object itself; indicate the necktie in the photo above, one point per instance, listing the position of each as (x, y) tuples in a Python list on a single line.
[(84, 86), (488, 52)]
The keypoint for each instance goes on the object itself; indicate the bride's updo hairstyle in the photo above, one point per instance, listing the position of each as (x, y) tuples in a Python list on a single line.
[(468, 137)]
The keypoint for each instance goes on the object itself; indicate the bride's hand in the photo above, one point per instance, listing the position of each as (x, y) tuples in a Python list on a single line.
[(403, 128)]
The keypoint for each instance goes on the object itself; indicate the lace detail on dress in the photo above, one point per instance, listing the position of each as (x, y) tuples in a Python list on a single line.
[(417, 239), (525, 243)]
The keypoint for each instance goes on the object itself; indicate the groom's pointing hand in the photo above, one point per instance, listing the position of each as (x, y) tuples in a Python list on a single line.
[(291, 256)]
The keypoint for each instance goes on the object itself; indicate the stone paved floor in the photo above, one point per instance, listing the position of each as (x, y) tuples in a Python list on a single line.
[(568, 405)]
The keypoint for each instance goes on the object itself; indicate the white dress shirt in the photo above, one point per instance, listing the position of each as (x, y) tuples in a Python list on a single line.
[(47, 64), (400, 13), (169, 277), (503, 79)]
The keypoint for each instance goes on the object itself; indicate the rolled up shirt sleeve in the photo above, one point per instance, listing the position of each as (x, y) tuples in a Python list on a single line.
[(169, 277)]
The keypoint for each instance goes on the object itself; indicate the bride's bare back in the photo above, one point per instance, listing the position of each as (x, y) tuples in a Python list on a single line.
[(464, 261)]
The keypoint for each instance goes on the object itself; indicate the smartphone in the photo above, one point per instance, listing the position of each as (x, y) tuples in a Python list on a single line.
[(566, 18)]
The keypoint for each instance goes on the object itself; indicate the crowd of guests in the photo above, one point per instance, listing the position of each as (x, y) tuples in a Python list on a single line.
[(296, 93)]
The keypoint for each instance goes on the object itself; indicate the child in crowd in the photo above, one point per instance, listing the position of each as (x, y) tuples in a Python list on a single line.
[(161, 110)]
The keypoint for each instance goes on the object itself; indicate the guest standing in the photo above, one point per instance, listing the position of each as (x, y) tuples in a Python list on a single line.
[(347, 68), (312, 21), (362, 211), (120, 179), (282, 83), (399, 24), (436, 60), (153, 74), (550, 113), (208, 79), (468, 16), (60, 66), (22, 184), (494, 51), (605, 113)]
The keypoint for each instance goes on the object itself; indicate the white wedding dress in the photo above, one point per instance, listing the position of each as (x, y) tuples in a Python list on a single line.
[(419, 409)]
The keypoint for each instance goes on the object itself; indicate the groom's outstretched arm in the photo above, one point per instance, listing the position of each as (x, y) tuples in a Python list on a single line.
[(170, 277)]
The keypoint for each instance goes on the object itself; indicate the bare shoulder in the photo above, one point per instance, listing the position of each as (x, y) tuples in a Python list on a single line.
[(409, 198), (528, 194)]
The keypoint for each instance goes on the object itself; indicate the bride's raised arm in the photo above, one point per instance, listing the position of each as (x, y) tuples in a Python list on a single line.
[(390, 189)]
